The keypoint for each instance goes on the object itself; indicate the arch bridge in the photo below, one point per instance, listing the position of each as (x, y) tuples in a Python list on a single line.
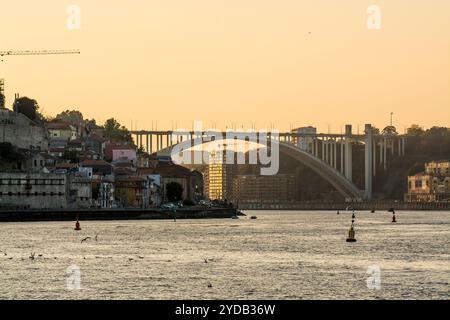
[(329, 155)]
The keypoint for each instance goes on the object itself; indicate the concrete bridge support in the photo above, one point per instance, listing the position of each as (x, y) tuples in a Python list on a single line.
[(368, 161), (348, 152)]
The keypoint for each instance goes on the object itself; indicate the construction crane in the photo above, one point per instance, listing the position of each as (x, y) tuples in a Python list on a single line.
[(28, 53), (37, 52)]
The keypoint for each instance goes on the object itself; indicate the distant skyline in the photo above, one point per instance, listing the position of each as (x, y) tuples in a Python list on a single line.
[(262, 63)]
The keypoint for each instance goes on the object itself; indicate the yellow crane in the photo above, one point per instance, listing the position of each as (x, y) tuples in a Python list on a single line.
[(37, 52)]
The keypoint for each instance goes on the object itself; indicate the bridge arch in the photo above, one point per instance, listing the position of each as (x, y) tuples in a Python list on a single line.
[(344, 186)]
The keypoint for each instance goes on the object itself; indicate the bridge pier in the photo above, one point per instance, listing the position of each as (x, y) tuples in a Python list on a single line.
[(374, 158), (335, 151), (334, 154), (348, 152), (368, 161)]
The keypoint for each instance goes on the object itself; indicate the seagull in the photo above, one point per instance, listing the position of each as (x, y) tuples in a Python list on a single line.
[(209, 285), (206, 260), (85, 239), (32, 256), (96, 237)]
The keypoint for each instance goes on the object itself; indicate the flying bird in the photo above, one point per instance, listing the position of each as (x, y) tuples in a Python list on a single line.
[(85, 239)]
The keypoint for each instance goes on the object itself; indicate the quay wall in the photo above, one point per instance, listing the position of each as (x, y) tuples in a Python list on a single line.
[(379, 205), (116, 214)]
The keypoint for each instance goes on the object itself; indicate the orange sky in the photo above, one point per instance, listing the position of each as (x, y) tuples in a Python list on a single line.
[(286, 62)]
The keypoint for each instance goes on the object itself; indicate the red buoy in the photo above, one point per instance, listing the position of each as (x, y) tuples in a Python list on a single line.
[(393, 218), (77, 225)]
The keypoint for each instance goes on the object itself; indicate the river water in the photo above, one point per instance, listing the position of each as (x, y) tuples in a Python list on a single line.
[(281, 255)]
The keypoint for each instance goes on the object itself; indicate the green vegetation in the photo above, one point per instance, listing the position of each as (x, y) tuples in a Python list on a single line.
[(70, 116), (114, 130), (422, 146), (28, 107)]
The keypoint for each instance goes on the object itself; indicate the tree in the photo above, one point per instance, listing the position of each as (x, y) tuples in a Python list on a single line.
[(389, 130), (174, 191), (71, 116), (2, 100), (28, 107), (114, 130), (415, 130)]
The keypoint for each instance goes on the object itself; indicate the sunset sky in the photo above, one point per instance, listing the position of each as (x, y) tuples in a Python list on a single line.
[(286, 62)]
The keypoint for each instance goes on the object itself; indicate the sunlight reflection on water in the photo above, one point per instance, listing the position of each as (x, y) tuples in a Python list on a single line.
[(281, 255)]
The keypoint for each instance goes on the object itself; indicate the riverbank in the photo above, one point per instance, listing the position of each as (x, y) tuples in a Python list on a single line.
[(373, 205), (118, 214)]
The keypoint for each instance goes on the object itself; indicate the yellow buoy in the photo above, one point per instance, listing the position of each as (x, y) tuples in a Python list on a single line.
[(351, 232)]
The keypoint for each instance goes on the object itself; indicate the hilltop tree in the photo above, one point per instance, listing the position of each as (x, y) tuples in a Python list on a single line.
[(28, 107), (114, 130), (415, 130), (71, 116)]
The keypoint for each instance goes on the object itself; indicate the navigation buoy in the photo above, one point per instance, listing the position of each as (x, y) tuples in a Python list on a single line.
[(77, 225), (373, 211), (338, 212), (351, 232), (393, 217)]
